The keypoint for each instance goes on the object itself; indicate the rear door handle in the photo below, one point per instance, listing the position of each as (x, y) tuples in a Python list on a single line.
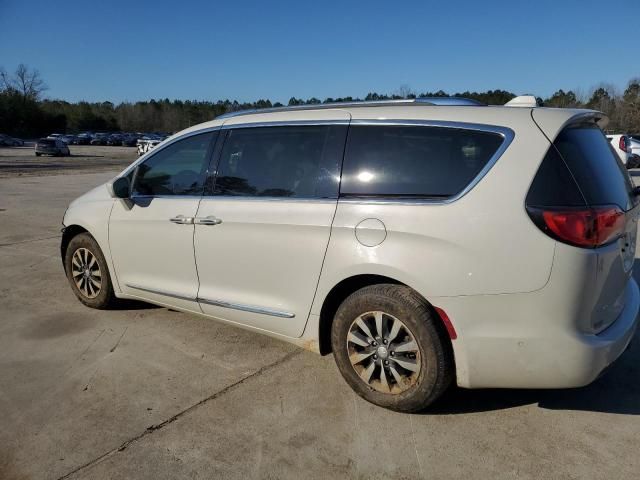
[(210, 220), (182, 220)]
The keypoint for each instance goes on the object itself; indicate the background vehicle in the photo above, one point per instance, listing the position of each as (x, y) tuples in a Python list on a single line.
[(130, 140), (52, 146), (635, 144), (68, 139), (7, 141), (392, 234), (621, 144), (147, 143), (114, 140), (99, 139), (83, 139)]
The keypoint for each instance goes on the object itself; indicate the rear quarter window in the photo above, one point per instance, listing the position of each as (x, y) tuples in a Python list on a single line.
[(414, 161), (599, 174)]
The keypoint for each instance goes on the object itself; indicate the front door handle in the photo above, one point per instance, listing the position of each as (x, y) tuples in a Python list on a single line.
[(182, 220), (210, 220)]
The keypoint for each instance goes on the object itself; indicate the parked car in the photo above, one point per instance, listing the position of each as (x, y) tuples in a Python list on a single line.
[(83, 139), (52, 146), (130, 141), (436, 245), (114, 140), (99, 139), (54, 135), (635, 144), (622, 146), (7, 141), (146, 144)]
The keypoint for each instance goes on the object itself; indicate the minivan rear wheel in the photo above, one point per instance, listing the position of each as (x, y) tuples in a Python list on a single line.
[(390, 348), (87, 272)]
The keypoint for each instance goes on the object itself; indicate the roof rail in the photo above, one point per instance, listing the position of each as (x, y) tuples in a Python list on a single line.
[(450, 101), (424, 101)]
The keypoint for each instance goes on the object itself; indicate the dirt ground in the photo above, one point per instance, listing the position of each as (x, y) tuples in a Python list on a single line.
[(22, 161), (150, 393)]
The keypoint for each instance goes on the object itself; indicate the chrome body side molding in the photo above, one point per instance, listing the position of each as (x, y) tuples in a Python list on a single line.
[(247, 308), (217, 303), (161, 292)]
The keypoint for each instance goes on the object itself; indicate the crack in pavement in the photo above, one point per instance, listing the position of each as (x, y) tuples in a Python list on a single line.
[(154, 428)]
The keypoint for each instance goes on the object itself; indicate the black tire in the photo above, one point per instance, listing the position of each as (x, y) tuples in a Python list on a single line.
[(38, 154), (435, 354), (105, 297)]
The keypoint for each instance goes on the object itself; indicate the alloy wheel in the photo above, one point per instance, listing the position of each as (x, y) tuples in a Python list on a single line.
[(383, 352), (86, 273)]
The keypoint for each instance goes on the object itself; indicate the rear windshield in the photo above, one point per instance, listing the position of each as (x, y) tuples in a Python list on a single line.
[(45, 141), (601, 177), (414, 161)]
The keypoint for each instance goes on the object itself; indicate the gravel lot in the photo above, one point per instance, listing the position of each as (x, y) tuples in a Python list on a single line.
[(21, 161), (151, 393)]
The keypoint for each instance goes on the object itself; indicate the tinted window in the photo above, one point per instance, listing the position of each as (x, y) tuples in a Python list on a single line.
[(554, 185), (46, 142), (414, 161), (291, 161), (178, 169), (599, 173)]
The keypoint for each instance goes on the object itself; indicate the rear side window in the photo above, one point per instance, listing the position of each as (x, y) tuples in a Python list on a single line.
[(414, 161), (598, 172), (554, 185), (286, 161)]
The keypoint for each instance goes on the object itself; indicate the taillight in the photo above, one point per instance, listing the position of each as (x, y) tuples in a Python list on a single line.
[(582, 227), (623, 144)]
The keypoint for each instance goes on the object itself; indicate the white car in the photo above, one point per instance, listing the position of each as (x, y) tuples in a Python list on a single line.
[(145, 145), (423, 242), (635, 144), (621, 144)]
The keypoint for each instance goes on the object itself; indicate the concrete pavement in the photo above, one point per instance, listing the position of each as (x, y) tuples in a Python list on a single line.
[(148, 392)]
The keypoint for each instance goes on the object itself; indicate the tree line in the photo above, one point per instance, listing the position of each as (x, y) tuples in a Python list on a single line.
[(24, 113)]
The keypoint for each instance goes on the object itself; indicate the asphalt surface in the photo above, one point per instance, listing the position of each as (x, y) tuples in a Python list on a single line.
[(151, 393)]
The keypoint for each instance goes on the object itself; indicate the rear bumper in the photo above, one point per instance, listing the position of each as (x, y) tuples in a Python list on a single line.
[(518, 344), (603, 349)]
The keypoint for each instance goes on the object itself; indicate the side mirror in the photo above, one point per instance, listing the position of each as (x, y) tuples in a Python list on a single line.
[(120, 188)]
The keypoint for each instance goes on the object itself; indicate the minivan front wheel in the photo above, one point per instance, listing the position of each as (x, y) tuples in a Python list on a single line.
[(87, 272), (390, 349)]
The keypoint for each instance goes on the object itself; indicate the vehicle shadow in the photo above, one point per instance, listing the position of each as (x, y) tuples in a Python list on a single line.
[(616, 391), (126, 304)]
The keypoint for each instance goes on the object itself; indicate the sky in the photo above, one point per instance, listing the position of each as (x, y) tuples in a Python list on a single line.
[(115, 50)]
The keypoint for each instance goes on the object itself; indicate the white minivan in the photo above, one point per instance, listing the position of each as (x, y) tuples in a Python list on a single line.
[(423, 242)]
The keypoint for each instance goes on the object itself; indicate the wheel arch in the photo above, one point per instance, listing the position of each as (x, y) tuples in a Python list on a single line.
[(349, 285), (67, 234)]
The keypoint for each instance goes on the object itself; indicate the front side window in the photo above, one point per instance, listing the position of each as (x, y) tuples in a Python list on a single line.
[(286, 161), (414, 161), (178, 169)]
